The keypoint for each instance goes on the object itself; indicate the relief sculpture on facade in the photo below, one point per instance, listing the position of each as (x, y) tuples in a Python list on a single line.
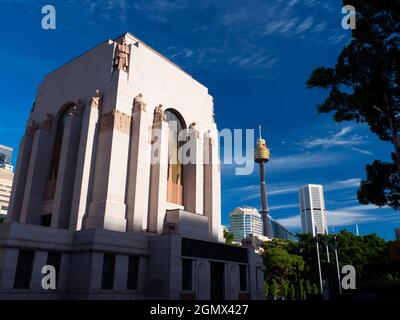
[(95, 101), (121, 60), (115, 120), (159, 114), (138, 103)]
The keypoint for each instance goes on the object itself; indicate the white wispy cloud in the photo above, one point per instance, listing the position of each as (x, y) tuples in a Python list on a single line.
[(226, 24), (336, 38), (345, 138), (342, 184), (347, 216), (320, 27), (291, 222), (252, 191), (257, 59), (305, 161), (305, 25), (284, 206)]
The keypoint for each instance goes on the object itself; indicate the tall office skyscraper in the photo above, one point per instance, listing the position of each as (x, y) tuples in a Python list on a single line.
[(312, 209)]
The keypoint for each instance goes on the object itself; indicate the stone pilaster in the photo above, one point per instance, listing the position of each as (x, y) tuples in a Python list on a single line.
[(66, 172), (158, 176), (233, 281), (107, 209), (8, 263), (40, 260), (139, 171), (84, 171), (37, 175), (121, 272), (194, 173), (212, 186), (21, 173), (255, 275), (202, 278)]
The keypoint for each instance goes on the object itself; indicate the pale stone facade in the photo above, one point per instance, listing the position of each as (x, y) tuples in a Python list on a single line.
[(93, 186)]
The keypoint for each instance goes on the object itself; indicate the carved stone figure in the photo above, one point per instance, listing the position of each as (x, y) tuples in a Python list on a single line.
[(48, 123), (121, 60), (77, 109), (159, 114), (95, 100), (193, 127), (138, 104), (31, 129)]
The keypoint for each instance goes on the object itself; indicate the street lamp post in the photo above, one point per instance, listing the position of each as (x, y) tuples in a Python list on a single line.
[(337, 262), (319, 263)]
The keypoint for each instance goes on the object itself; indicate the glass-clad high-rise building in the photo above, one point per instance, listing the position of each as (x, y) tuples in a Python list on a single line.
[(5, 157), (312, 209), (6, 179), (245, 221), (281, 232)]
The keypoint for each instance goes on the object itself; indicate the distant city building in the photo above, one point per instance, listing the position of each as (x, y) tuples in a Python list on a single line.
[(245, 221), (312, 209), (397, 232), (6, 178), (281, 232), (5, 157)]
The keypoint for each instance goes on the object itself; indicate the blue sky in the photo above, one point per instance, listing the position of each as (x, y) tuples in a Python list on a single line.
[(254, 56)]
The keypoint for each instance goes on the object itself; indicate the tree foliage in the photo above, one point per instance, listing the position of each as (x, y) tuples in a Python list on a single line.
[(266, 289), (281, 265), (274, 289), (228, 236), (366, 76), (292, 292), (294, 264), (378, 188)]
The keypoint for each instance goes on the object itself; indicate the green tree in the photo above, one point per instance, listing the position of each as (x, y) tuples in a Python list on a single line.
[(364, 86), (266, 289), (281, 265), (301, 290), (284, 289), (228, 236), (315, 289), (291, 292), (308, 287), (369, 254), (2, 220), (378, 187), (274, 289)]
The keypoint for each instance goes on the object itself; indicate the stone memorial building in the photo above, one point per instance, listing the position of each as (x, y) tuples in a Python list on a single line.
[(101, 192)]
